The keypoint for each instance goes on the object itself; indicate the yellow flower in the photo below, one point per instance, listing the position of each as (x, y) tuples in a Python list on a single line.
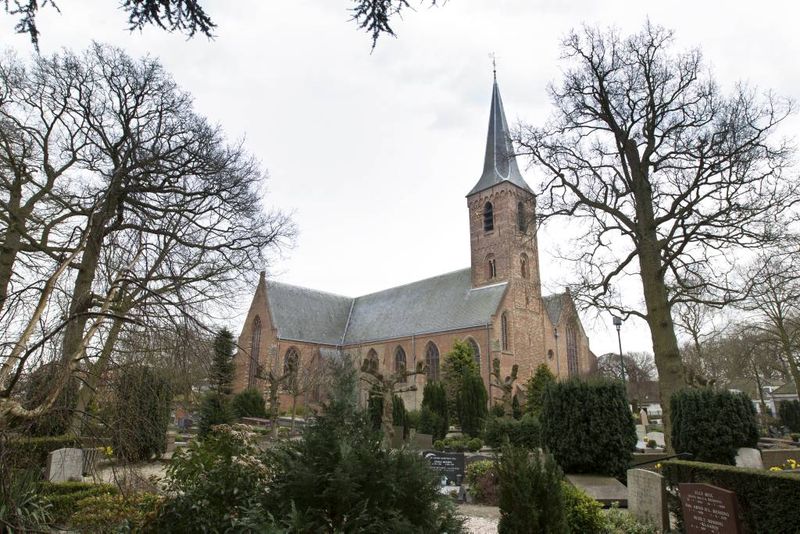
[(657, 466), (776, 468), (108, 451)]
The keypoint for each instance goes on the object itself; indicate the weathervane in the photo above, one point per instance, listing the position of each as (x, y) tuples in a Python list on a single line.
[(494, 65)]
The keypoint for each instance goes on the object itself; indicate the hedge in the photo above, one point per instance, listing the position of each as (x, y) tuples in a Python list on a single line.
[(588, 427), (789, 412), (63, 497), (768, 501), (525, 432), (31, 453), (712, 425)]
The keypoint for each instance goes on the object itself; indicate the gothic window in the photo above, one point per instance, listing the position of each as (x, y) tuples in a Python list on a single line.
[(523, 266), (488, 217), (522, 218), (255, 346), (491, 267), (572, 349), (476, 351), (291, 362), (504, 331), (432, 361), (400, 361), (372, 358)]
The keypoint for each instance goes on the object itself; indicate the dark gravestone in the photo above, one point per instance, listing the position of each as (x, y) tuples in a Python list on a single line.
[(448, 464), (709, 510)]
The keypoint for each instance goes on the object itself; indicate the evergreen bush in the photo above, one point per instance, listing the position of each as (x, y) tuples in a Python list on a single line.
[(535, 388), (789, 413), (484, 486), (523, 433), (471, 401), (458, 364), (531, 496), (712, 425), (222, 368), (433, 417), (584, 514), (214, 410), (249, 403), (141, 413), (587, 426)]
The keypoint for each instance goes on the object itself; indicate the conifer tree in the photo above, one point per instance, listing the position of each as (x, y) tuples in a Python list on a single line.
[(222, 369), (535, 388), (433, 416)]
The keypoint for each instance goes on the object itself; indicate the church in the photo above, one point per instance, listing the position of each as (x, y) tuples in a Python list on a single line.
[(496, 304)]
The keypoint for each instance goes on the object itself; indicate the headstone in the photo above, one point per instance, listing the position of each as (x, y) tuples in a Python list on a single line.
[(708, 509), (647, 498), (64, 465), (397, 438), (447, 464), (658, 437), (643, 416), (747, 457), (421, 442), (641, 431), (605, 490)]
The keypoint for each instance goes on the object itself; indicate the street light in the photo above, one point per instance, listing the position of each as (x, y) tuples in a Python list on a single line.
[(618, 324), (558, 364)]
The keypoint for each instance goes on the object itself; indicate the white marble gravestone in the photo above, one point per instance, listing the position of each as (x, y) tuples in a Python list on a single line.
[(64, 465), (747, 457), (647, 498)]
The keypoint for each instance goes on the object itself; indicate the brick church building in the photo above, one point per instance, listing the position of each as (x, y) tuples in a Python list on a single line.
[(495, 304)]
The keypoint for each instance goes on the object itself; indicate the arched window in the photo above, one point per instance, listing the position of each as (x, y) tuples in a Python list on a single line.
[(291, 362), (491, 267), (523, 266), (522, 218), (504, 331), (476, 351), (572, 349), (432, 361), (488, 217), (372, 358), (400, 361), (255, 347)]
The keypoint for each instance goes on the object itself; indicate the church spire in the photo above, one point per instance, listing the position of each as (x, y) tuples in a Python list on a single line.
[(499, 164)]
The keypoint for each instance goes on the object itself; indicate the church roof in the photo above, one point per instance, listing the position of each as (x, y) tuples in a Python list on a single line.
[(442, 303), (499, 164)]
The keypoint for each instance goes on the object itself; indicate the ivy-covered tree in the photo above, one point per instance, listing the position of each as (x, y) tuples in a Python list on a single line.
[(535, 388), (506, 386)]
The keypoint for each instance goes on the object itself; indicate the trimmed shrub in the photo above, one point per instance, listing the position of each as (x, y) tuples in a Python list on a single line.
[(63, 497), (222, 367), (433, 418), (587, 426), (523, 433), (712, 425), (484, 485), (768, 501), (56, 421), (31, 453), (622, 522), (214, 410), (789, 413), (458, 444), (113, 513), (141, 413), (249, 403), (413, 419), (584, 514), (531, 498), (457, 364), (471, 404), (542, 379)]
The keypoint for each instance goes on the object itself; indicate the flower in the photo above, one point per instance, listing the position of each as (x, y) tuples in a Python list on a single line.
[(108, 451)]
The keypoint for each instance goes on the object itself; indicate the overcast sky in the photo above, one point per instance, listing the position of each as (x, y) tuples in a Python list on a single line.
[(374, 151)]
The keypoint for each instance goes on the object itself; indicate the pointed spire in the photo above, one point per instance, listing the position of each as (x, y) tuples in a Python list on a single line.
[(499, 164)]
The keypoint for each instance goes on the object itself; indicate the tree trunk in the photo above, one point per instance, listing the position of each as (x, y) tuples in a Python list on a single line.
[(386, 418)]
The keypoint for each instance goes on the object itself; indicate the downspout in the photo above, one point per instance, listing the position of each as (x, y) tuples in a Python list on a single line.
[(489, 360), (414, 354)]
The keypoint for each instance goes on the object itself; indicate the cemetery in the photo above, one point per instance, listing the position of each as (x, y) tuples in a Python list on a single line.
[(157, 373)]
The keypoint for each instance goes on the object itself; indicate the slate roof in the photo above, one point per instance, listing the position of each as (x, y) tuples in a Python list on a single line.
[(553, 304), (499, 164), (442, 303), (789, 388)]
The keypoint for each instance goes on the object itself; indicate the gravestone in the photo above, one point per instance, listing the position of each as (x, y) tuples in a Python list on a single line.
[(64, 465), (647, 498), (747, 457), (658, 437), (397, 438), (421, 442), (641, 431), (447, 464), (643, 417), (708, 509), (605, 490)]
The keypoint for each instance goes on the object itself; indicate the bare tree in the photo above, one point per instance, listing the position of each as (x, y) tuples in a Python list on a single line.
[(158, 216), (669, 176), (310, 376), (505, 385), (639, 366)]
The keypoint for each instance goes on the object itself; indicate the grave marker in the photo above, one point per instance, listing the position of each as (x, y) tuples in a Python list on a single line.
[(747, 457), (647, 498), (64, 465), (448, 464), (708, 509)]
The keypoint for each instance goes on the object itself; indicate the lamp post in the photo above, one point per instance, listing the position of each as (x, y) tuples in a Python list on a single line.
[(618, 324), (558, 363)]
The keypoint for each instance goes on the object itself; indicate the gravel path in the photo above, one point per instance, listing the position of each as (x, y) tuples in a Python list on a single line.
[(480, 519)]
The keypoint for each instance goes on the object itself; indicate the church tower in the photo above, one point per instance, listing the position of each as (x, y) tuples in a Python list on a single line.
[(501, 217)]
